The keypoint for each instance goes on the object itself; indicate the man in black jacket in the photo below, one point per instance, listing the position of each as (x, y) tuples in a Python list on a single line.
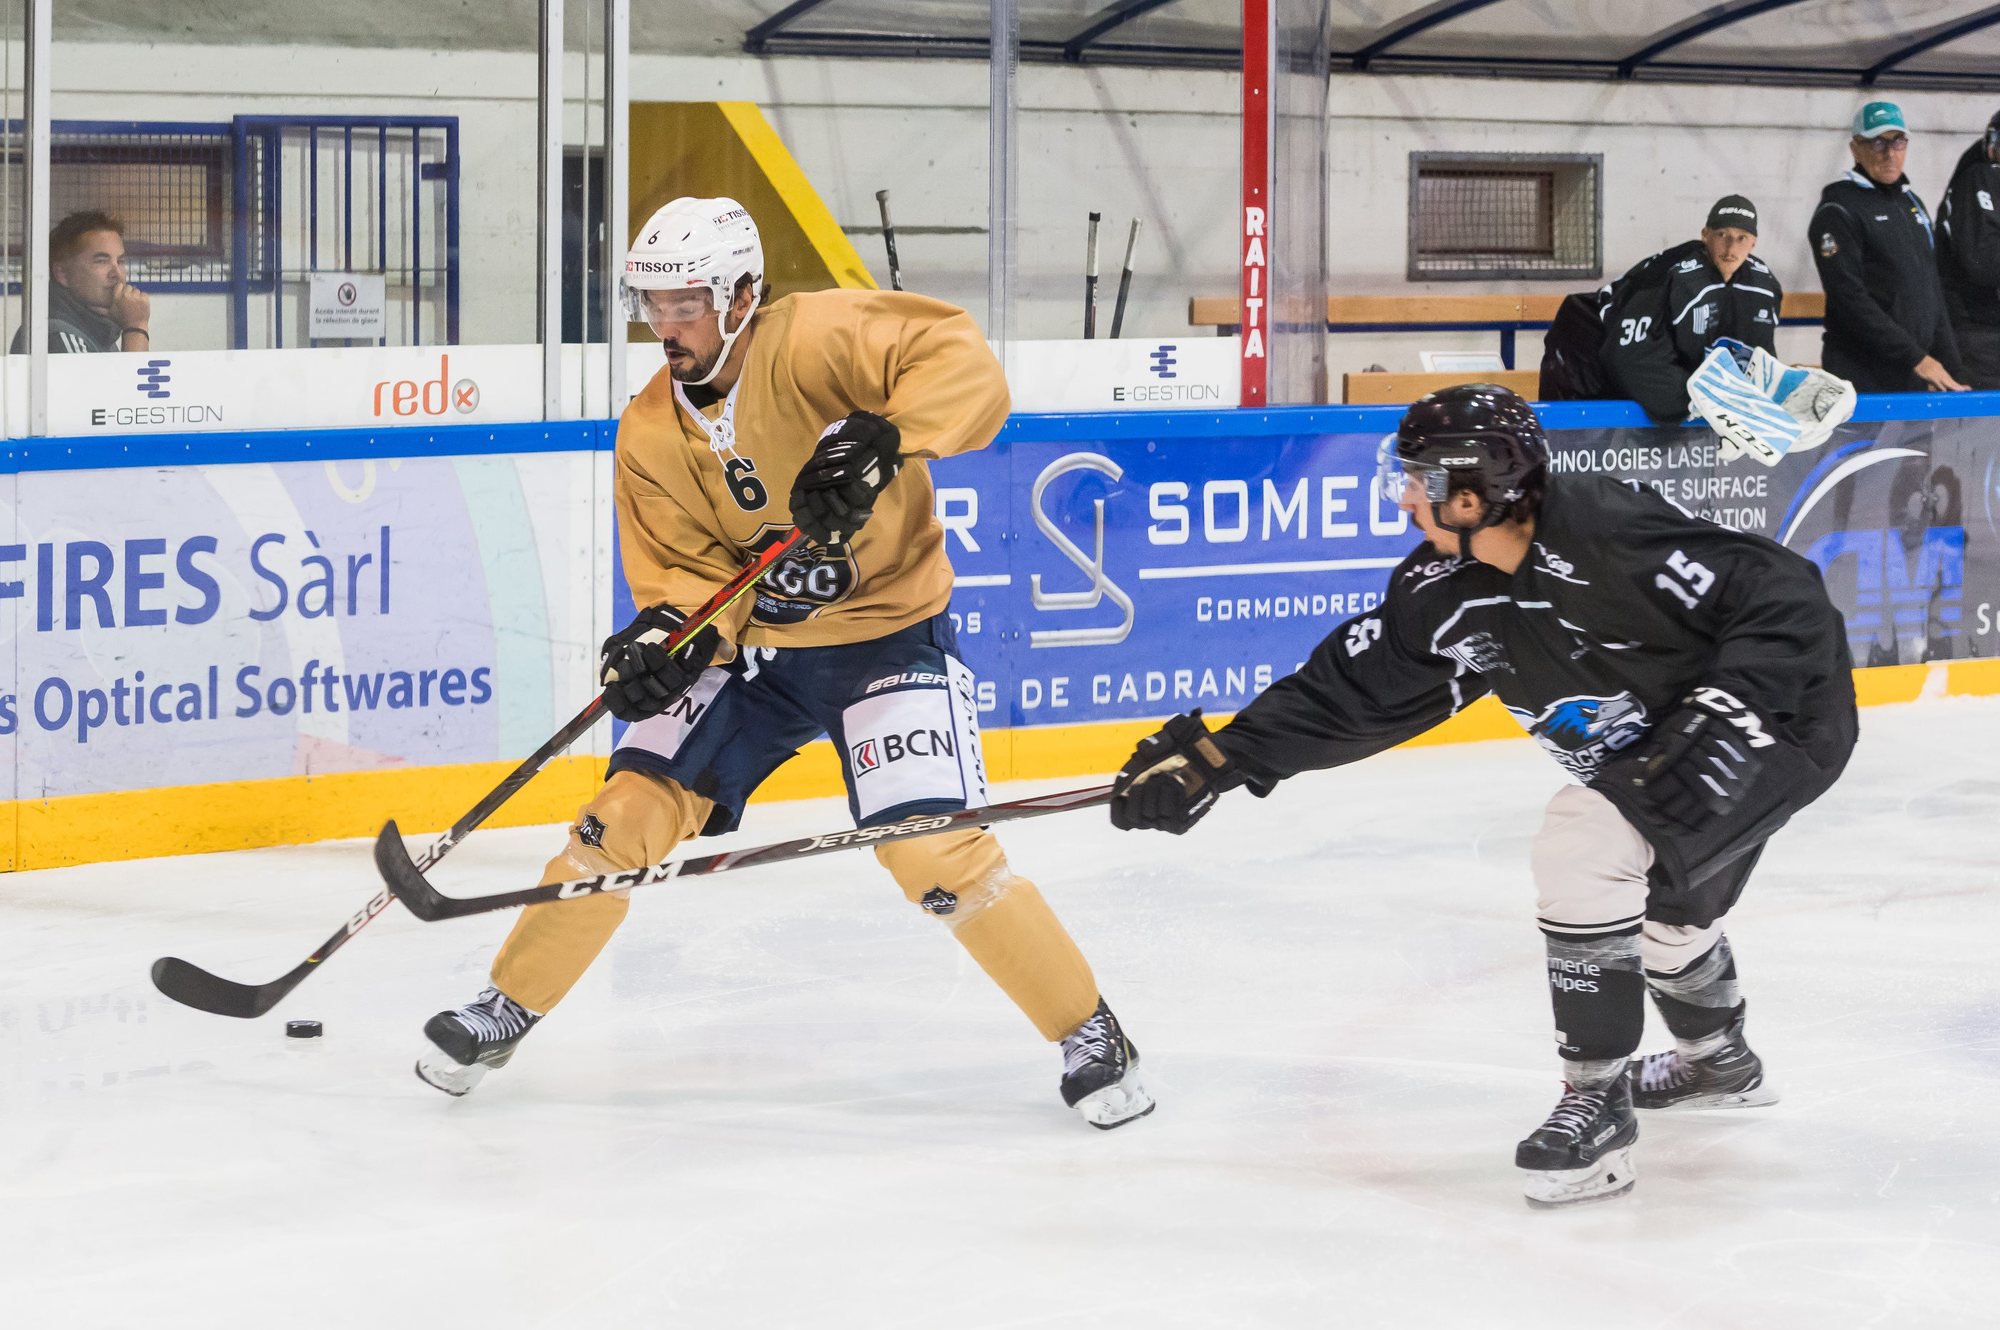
[(1886, 330), (1695, 680), (1664, 315), (1969, 258)]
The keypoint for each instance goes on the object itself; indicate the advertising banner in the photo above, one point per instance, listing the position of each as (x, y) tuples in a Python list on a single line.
[(178, 392), (185, 625)]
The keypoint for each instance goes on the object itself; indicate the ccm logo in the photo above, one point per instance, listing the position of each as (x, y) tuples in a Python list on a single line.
[(428, 397)]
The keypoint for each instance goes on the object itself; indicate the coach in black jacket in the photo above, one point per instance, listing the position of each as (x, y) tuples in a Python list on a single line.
[(1969, 258), (1663, 316), (1886, 329)]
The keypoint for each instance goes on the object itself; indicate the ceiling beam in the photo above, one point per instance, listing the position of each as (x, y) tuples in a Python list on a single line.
[(1699, 26), (1951, 32), (1117, 16), (1420, 22), (757, 38)]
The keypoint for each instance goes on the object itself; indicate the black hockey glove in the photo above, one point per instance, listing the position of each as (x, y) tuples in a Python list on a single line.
[(640, 679), (1697, 763), (1173, 779), (834, 495)]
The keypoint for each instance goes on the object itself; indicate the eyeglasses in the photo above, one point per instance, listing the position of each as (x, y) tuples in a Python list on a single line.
[(1887, 144)]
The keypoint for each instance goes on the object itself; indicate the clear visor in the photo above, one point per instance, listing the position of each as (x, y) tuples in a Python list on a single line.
[(678, 304), (1393, 472)]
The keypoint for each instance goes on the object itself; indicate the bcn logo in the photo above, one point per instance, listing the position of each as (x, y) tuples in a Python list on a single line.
[(429, 397)]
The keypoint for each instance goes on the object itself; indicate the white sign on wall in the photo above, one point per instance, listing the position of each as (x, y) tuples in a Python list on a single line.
[(329, 388), (348, 304), (1127, 374)]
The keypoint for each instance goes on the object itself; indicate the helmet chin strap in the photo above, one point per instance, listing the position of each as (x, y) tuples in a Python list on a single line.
[(1495, 514), (728, 337)]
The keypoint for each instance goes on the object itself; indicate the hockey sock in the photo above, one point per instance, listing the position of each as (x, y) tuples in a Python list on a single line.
[(1596, 986), (635, 819), (1001, 920), (1699, 1003)]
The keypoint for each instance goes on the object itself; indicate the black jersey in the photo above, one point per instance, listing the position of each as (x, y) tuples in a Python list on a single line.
[(1623, 605), (1662, 317)]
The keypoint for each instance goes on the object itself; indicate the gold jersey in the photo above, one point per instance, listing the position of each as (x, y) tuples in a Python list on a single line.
[(699, 491)]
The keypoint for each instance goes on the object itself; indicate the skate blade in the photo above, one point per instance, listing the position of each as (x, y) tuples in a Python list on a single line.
[(441, 1071), (1117, 1104), (1759, 1096), (1613, 1175)]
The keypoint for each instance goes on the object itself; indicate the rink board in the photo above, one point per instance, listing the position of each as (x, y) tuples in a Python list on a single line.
[(226, 640)]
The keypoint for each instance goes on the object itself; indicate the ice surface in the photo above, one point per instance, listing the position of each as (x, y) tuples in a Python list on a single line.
[(785, 1098)]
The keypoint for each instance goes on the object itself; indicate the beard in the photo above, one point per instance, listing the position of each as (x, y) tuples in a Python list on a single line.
[(695, 368)]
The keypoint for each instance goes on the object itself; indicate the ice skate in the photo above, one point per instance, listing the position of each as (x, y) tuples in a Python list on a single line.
[(1101, 1073), (1584, 1151), (1730, 1077), (464, 1043)]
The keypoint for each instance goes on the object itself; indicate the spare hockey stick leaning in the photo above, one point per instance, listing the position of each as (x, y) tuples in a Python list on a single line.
[(889, 240), (1125, 281), (1090, 281), (192, 986), (406, 880)]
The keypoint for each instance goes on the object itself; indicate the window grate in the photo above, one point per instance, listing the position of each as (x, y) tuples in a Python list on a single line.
[(1487, 215)]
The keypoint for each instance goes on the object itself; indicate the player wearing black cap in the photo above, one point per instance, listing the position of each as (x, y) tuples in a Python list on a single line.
[(1664, 314), (1694, 680), (1969, 257)]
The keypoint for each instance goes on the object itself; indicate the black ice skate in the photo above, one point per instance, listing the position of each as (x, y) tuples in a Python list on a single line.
[(1584, 1151), (480, 1034), (1730, 1077), (1101, 1073)]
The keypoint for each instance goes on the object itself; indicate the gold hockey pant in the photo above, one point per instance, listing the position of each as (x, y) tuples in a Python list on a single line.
[(637, 819)]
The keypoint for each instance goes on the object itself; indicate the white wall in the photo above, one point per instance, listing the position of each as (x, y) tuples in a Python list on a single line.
[(1160, 145)]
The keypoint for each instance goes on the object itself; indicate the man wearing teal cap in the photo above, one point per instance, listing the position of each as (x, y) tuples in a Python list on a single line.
[(1886, 329)]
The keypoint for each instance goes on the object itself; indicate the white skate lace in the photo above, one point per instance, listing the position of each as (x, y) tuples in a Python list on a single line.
[(1664, 1071), (1091, 1043), (493, 1017), (1574, 1111)]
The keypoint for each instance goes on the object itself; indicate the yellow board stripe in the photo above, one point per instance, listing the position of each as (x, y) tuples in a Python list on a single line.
[(800, 198), (198, 819)]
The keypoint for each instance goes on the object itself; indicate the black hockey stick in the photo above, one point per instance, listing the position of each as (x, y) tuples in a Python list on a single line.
[(405, 878), (1125, 280), (192, 986), (889, 240), (1090, 281)]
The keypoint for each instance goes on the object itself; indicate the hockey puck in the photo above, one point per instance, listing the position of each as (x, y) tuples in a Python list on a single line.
[(303, 1029)]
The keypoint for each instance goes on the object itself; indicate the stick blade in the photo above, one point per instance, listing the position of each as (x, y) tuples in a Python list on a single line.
[(192, 986), (404, 879)]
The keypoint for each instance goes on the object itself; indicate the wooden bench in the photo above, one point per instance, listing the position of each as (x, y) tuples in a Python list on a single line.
[(1374, 388), (1504, 313)]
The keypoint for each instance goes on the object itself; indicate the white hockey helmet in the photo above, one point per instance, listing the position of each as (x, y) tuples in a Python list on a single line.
[(692, 244)]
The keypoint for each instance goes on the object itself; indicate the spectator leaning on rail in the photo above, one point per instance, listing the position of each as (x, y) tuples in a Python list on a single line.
[(1661, 317), (91, 305), (1886, 329), (1969, 258)]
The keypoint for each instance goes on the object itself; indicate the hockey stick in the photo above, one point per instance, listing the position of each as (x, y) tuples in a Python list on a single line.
[(192, 986), (1125, 280), (889, 239), (1090, 282), (405, 878)]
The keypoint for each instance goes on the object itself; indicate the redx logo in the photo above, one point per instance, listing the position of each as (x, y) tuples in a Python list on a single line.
[(427, 397)]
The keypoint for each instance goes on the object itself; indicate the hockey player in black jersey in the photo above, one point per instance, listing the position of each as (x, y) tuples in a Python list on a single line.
[(1695, 681)]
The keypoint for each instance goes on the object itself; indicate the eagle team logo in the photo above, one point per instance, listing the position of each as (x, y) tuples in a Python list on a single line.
[(1583, 732)]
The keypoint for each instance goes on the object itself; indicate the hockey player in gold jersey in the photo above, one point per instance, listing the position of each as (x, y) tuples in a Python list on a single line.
[(820, 410)]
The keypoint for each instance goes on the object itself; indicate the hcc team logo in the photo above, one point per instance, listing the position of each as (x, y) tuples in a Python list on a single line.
[(1583, 732)]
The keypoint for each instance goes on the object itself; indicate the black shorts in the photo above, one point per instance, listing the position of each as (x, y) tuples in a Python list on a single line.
[(1697, 876)]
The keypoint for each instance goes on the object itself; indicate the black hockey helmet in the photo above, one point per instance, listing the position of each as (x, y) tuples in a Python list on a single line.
[(1476, 436)]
